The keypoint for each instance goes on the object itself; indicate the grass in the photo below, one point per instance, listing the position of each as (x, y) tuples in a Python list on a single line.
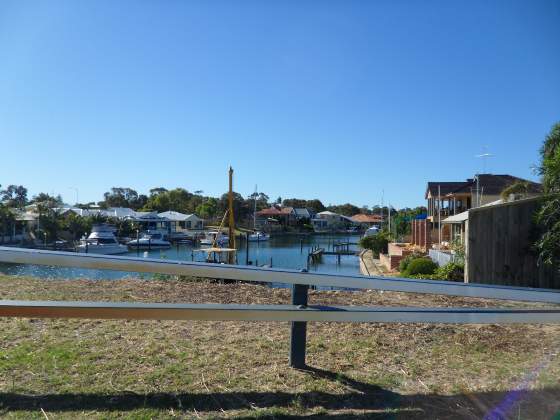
[(181, 369)]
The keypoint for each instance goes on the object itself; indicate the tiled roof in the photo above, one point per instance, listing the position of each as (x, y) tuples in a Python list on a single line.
[(489, 184), (273, 211), (367, 218)]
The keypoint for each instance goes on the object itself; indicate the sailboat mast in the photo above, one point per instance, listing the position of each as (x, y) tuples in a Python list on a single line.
[(231, 255), (255, 211)]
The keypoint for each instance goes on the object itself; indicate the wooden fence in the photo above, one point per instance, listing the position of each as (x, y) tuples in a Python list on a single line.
[(500, 247), (298, 313)]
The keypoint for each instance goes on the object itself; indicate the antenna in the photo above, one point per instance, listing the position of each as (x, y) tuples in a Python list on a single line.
[(484, 156)]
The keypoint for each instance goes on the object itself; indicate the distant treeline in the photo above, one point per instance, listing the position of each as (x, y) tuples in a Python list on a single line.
[(179, 199)]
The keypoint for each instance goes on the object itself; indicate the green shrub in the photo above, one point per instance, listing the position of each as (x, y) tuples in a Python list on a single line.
[(452, 272), (421, 266), (376, 243), (403, 265)]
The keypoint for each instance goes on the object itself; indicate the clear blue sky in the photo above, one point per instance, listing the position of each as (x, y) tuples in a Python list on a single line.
[(311, 99)]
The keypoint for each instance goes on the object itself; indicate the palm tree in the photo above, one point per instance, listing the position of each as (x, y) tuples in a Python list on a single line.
[(7, 221)]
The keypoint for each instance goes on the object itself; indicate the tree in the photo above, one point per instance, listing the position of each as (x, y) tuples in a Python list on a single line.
[(376, 243), (47, 200), (208, 209), (315, 205), (7, 220), (345, 209), (261, 198), (548, 216), (518, 187), (124, 197), (76, 225), (157, 190), (14, 196), (241, 208)]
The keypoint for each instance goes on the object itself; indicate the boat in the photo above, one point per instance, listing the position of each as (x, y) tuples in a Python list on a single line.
[(101, 240), (372, 231), (150, 240), (214, 237), (259, 237)]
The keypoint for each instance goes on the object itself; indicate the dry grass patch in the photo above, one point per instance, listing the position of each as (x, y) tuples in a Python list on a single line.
[(184, 369)]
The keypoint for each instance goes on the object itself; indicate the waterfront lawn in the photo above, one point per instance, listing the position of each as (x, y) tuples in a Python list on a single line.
[(165, 369)]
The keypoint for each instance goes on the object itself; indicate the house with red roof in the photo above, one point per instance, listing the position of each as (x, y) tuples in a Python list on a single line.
[(276, 215)]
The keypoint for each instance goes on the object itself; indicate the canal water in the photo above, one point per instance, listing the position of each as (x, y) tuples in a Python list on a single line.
[(286, 251)]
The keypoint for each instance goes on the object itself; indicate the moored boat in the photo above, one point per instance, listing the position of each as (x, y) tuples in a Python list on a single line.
[(214, 237), (259, 237), (101, 240), (150, 240)]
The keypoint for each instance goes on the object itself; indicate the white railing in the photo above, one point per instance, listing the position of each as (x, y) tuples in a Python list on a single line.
[(298, 313)]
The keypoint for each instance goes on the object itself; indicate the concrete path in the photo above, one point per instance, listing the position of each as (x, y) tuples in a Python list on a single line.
[(369, 266)]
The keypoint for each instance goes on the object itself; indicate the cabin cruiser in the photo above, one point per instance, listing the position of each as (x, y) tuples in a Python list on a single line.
[(150, 240), (101, 240), (216, 237), (372, 231), (258, 237)]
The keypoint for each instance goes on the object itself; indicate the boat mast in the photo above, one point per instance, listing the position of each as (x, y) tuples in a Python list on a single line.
[(231, 218), (255, 211)]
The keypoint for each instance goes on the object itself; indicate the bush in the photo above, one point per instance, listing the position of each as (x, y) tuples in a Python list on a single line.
[(403, 265), (421, 266), (452, 272), (376, 243)]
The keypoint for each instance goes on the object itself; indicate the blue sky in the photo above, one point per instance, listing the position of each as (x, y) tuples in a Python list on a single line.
[(331, 100)]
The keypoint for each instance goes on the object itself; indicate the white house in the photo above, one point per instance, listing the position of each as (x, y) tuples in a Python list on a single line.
[(327, 220), (181, 222)]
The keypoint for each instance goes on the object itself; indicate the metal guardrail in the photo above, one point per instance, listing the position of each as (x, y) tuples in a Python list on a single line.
[(299, 313), (273, 275)]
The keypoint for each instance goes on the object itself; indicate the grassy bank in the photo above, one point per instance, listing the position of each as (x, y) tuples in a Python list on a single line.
[(151, 369)]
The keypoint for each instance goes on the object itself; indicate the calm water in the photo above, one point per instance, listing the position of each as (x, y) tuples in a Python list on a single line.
[(281, 251)]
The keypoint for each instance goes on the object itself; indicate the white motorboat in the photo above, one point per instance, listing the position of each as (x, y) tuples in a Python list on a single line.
[(215, 237), (101, 240), (150, 240), (259, 237), (372, 231)]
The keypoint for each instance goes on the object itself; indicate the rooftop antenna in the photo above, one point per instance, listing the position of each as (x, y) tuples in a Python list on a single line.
[(484, 156)]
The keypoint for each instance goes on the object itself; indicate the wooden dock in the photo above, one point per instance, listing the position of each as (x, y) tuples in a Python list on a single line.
[(339, 249)]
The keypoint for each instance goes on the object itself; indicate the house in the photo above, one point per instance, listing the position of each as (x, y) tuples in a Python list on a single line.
[(497, 239), (284, 216), (367, 220), (448, 198), (179, 222), (327, 221), (304, 214), (148, 220)]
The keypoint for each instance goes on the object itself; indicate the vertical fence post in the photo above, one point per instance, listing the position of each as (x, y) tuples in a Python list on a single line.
[(299, 329), (247, 248)]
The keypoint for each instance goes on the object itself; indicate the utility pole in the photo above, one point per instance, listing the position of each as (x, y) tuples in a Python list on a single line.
[(231, 256)]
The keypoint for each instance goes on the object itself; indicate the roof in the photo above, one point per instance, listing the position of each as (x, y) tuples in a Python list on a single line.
[(457, 218), (119, 212), (327, 213), (489, 184), (367, 218), (444, 188), (273, 211), (461, 217), (495, 184), (177, 217), (302, 212)]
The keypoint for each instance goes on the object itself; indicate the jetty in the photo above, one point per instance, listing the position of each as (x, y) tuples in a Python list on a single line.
[(338, 249)]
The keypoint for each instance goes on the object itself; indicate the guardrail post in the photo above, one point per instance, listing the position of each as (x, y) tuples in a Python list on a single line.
[(299, 329)]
